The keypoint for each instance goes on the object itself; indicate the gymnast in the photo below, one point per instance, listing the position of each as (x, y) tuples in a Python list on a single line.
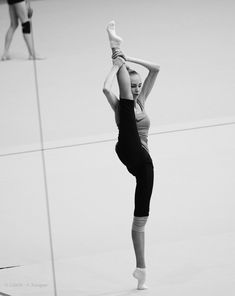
[(132, 146)]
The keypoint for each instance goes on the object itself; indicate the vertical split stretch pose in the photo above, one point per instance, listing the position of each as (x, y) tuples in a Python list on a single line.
[(19, 10), (132, 146)]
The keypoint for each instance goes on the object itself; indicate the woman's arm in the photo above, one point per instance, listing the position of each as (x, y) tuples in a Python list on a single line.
[(112, 99), (150, 79)]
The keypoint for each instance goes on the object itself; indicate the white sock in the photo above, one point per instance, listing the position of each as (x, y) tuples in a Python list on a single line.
[(140, 275), (114, 39)]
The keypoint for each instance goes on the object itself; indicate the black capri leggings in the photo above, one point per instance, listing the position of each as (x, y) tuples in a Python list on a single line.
[(135, 157)]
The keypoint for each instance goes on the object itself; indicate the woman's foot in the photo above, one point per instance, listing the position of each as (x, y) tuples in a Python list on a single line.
[(5, 57), (114, 39), (140, 275), (36, 57)]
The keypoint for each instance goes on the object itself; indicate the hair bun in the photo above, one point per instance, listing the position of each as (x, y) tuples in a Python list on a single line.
[(131, 71)]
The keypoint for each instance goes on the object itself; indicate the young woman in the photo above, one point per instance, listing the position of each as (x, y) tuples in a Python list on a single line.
[(132, 146), (19, 10)]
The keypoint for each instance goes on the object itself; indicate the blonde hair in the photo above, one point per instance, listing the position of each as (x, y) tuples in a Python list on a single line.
[(131, 71)]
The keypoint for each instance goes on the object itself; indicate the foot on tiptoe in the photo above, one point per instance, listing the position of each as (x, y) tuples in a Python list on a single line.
[(140, 275)]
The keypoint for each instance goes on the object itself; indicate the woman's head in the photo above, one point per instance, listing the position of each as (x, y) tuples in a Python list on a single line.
[(136, 82)]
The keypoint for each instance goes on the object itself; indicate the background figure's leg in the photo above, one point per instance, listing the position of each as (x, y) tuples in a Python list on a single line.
[(22, 13), (10, 32)]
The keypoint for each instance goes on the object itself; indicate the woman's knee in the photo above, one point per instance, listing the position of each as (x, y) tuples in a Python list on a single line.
[(26, 27), (14, 25), (138, 223)]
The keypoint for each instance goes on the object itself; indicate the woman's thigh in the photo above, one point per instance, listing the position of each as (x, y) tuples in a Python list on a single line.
[(13, 16), (135, 160), (21, 11)]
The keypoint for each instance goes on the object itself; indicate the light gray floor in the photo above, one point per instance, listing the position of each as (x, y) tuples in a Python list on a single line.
[(189, 237), (187, 267)]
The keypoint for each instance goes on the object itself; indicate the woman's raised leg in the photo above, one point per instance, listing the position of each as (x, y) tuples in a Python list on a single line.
[(122, 75), (124, 83)]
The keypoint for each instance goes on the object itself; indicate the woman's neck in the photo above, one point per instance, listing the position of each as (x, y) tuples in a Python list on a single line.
[(135, 101)]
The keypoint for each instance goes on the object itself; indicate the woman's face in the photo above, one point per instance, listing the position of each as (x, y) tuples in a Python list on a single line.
[(136, 84)]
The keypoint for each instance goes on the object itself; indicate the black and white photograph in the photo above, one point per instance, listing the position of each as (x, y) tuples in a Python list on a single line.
[(117, 148)]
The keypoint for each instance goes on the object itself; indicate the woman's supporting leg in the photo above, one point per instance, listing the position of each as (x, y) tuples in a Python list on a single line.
[(10, 32), (143, 192), (144, 186), (131, 146), (138, 238)]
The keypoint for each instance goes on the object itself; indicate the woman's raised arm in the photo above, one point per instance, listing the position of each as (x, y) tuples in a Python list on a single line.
[(150, 79), (112, 99)]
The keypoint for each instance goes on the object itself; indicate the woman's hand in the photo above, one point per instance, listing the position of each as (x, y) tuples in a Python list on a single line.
[(30, 12), (118, 61), (118, 53)]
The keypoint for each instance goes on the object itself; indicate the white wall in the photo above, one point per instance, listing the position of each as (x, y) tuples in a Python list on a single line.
[(192, 41)]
